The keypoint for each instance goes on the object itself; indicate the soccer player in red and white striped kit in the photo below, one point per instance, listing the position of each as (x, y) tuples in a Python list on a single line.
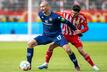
[(80, 21)]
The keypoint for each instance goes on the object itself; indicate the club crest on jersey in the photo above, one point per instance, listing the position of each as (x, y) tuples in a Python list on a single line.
[(42, 17), (77, 22), (50, 19), (46, 21)]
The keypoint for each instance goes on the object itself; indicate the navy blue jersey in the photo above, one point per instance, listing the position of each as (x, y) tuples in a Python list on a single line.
[(52, 24)]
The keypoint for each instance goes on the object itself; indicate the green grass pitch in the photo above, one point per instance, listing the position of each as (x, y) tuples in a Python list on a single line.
[(12, 53)]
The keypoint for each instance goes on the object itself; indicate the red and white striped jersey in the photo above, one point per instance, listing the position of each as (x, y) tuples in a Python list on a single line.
[(79, 21)]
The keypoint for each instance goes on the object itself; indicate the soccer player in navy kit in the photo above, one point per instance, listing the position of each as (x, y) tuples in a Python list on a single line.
[(51, 33)]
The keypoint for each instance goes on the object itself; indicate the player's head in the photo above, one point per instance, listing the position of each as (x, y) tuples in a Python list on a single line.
[(76, 9), (44, 6)]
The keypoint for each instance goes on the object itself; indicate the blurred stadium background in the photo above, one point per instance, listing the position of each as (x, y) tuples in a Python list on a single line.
[(19, 23), (14, 21)]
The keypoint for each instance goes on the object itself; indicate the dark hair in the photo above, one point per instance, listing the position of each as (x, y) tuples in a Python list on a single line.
[(76, 8)]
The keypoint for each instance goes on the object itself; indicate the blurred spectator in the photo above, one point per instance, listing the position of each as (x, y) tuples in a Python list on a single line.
[(104, 5), (13, 31), (13, 4), (1, 5), (13, 10), (7, 19), (6, 4), (92, 6)]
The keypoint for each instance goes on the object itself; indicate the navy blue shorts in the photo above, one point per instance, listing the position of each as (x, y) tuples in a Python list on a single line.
[(59, 40)]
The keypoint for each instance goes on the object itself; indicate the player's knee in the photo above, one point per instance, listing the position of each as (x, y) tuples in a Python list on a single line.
[(68, 50), (31, 44)]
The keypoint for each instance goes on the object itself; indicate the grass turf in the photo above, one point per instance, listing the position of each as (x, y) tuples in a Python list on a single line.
[(12, 53)]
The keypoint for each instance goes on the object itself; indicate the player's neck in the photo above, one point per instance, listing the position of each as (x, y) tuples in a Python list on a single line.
[(75, 15), (47, 13)]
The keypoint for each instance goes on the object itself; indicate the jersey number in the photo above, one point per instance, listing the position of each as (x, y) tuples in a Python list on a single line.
[(59, 37)]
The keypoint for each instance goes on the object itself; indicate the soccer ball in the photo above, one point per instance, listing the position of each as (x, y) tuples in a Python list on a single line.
[(24, 65)]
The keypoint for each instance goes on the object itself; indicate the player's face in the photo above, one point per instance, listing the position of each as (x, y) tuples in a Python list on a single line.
[(44, 7), (75, 13)]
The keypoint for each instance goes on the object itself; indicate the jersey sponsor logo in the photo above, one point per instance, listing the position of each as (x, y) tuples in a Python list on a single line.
[(46, 23)]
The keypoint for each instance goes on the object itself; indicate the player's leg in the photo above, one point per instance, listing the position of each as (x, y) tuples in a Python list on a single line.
[(63, 43), (30, 50), (87, 58), (49, 53), (40, 40), (70, 39), (60, 40), (72, 56), (78, 44)]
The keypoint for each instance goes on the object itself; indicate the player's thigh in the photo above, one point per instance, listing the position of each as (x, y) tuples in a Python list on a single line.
[(76, 42), (52, 46), (42, 40)]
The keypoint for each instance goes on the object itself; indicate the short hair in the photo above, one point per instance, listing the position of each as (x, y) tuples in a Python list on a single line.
[(76, 8), (44, 1)]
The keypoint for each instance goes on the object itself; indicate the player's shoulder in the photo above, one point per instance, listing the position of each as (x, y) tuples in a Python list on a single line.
[(40, 13), (59, 13), (82, 16), (56, 14), (67, 11), (64, 13)]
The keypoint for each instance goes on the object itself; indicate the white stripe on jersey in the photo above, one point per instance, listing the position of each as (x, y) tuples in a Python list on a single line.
[(76, 21), (65, 29)]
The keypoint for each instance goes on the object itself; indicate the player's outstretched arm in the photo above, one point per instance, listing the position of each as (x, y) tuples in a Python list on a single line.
[(68, 23)]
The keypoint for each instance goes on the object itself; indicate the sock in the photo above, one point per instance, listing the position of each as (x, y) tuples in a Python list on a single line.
[(29, 54), (89, 60), (73, 59), (48, 56)]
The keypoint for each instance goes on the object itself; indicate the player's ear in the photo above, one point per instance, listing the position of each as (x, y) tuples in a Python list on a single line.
[(49, 7)]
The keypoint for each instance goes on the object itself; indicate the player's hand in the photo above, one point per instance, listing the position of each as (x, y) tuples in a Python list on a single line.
[(80, 35), (77, 32)]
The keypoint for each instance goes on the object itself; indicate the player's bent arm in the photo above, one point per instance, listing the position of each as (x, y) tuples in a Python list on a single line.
[(70, 25), (85, 28), (84, 24), (67, 22)]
